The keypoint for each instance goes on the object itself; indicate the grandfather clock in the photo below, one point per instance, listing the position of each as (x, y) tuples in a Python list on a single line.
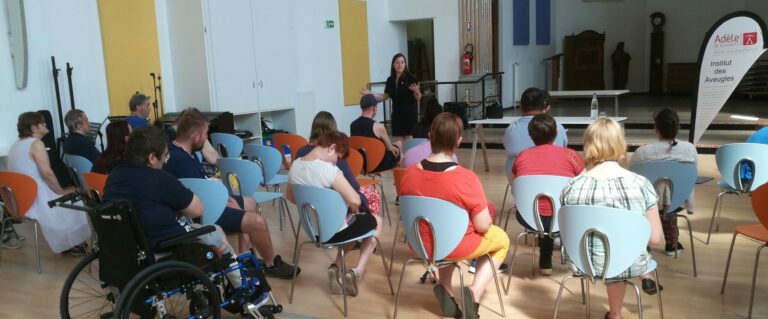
[(657, 53)]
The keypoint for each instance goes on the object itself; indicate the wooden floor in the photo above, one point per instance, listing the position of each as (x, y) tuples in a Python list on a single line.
[(25, 294)]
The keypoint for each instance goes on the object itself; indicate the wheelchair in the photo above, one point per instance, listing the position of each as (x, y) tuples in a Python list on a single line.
[(121, 277)]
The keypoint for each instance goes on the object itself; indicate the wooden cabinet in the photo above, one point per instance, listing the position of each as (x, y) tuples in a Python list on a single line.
[(584, 61), (681, 77)]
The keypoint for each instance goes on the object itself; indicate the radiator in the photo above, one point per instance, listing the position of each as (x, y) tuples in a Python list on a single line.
[(527, 74)]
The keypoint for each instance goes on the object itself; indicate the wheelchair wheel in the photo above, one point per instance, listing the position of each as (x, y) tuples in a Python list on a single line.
[(83, 294), (170, 289)]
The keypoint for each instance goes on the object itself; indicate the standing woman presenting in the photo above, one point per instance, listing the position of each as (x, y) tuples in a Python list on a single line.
[(405, 92)]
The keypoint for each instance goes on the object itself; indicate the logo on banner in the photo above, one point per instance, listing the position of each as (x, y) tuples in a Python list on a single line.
[(750, 38)]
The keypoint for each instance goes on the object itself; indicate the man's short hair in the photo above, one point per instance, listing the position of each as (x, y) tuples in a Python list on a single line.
[(190, 121), (136, 100), (340, 139), (534, 99), (367, 101), (26, 121), (73, 118), (542, 129), (445, 132), (144, 141)]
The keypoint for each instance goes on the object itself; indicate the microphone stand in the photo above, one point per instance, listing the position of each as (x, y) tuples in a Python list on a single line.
[(154, 89)]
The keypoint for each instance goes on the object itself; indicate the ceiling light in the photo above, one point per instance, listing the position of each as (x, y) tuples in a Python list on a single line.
[(744, 117)]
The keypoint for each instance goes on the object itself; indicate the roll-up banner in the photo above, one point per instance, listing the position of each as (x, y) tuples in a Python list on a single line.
[(730, 48)]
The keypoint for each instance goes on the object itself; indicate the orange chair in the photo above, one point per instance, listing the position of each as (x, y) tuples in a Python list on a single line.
[(94, 183), (398, 173), (755, 232), (293, 141), (374, 153), (18, 192)]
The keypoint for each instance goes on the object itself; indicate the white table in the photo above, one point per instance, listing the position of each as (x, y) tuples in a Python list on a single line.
[(600, 93), (478, 131)]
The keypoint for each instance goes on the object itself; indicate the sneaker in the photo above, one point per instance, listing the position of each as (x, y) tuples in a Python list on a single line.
[(669, 251), (472, 263), (281, 269), (10, 242), (77, 251), (545, 264)]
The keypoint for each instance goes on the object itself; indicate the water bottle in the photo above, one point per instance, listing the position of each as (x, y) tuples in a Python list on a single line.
[(593, 110), (234, 276)]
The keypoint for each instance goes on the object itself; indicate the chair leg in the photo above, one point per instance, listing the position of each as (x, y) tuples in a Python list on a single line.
[(533, 256), (506, 220), (2, 231), (658, 294), (639, 300), (296, 255), (343, 279), (583, 293), (754, 279), (384, 262), (461, 284), (392, 251), (693, 249), (503, 204), (498, 289), (589, 302), (384, 200), (728, 263), (718, 203), (37, 248), (400, 285), (512, 263), (560, 292), (287, 210)]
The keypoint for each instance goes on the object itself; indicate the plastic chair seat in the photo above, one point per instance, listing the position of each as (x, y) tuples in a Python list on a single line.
[(724, 186), (754, 231), (278, 179), (261, 197), (367, 182)]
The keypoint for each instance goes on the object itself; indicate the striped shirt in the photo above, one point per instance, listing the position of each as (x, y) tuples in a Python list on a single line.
[(625, 190)]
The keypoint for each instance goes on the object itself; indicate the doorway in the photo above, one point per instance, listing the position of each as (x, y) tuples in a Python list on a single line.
[(421, 49)]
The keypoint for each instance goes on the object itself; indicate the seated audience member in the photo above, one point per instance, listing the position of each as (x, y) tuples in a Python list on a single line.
[(667, 148), (78, 142), (438, 176), (324, 122), (367, 127), (419, 152), (607, 184), (431, 109), (182, 162), (117, 136), (65, 230), (139, 106), (317, 169), (163, 205), (516, 138), (210, 154), (545, 159)]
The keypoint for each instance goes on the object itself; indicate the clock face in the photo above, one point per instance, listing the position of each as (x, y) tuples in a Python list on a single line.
[(657, 19)]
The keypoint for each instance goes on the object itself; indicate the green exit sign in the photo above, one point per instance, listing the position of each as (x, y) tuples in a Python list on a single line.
[(329, 24)]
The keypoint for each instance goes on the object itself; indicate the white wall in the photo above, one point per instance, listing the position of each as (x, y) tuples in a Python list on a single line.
[(68, 30)]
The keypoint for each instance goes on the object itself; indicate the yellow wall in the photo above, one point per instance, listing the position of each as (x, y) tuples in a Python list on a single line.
[(353, 26), (129, 39)]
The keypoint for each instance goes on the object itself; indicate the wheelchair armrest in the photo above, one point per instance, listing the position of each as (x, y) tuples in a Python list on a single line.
[(167, 244)]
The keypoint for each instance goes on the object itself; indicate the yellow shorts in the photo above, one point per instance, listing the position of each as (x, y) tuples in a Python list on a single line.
[(494, 242)]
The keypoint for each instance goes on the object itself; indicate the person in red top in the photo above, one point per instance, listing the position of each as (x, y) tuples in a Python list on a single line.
[(438, 176), (545, 159)]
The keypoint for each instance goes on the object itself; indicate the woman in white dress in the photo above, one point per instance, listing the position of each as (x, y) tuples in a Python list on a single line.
[(62, 228)]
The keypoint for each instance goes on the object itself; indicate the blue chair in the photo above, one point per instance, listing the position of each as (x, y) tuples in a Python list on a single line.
[(729, 159), (409, 144), (448, 223), (228, 145), (244, 177), (270, 161), (213, 196), (78, 165), (527, 191), (623, 245), (682, 178), (322, 213)]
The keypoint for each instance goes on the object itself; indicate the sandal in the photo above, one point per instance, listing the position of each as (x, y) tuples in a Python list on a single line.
[(470, 306), (350, 284), (448, 305), (333, 280)]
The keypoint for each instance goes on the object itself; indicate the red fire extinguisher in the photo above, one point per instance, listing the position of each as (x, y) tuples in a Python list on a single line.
[(466, 59)]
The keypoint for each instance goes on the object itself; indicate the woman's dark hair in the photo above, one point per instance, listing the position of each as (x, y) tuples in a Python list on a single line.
[(145, 141), (431, 109), (26, 121), (445, 132), (392, 72), (542, 129), (667, 124), (117, 132), (339, 139)]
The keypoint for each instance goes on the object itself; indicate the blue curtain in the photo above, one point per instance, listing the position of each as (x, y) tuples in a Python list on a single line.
[(542, 22), (521, 22)]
